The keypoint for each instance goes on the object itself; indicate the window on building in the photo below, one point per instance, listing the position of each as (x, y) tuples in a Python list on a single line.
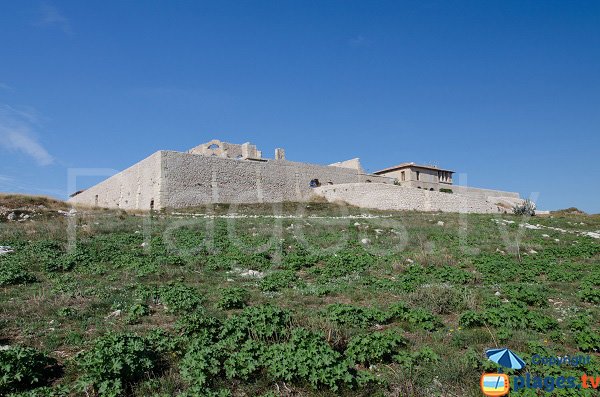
[(418, 176), (403, 176)]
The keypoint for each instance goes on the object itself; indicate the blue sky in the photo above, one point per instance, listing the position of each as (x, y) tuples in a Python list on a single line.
[(507, 92)]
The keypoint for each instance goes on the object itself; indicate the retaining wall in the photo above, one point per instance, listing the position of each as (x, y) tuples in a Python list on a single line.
[(392, 197)]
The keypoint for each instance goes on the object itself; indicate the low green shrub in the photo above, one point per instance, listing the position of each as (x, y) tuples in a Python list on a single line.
[(278, 280), (23, 368), (375, 347), (113, 362), (200, 364), (13, 273), (307, 356), (233, 298), (180, 298)]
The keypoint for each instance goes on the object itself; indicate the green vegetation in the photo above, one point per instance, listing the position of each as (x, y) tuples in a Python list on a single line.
[(319, 302)]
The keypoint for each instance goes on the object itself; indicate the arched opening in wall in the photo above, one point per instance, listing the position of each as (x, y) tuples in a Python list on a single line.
[(418, 187), (96, 201), (431, 189), (213, 146), (314, 183), (151, 204), (368, 181)]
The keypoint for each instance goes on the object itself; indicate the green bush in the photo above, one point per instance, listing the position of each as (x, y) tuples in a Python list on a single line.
[(446, 190), (307, 356), (263, 323), (198, 323), (23, 368), (115, 361), (201, 363), (374, 347), (233, 298), (179, 298), (13, 273), (278, 280)]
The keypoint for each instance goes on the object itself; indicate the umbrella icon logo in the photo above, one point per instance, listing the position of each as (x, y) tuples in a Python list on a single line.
[(505, 357), (495, 385)]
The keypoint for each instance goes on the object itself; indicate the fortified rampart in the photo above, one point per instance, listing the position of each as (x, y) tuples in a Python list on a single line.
[(190, 180), (221, 172), (392, 197), (169, 179)]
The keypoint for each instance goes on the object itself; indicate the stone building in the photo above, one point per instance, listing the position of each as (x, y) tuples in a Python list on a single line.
[(221, 172), (420, 176)]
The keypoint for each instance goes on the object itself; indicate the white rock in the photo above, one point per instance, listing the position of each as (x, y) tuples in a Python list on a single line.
[(356, 224), (365, 241), (545, 235), (557, 240), (532, 251), (12, 216), (252, 273), (440, 223), (409, 260), (116, 313), (144, 244), (4, 347), (4, 249), (497, 293)]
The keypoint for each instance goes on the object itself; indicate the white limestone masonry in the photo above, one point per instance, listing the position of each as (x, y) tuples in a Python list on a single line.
[(392, 197), (221, 172)]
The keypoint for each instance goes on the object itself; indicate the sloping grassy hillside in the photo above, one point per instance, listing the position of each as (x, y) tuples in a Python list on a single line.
[(297, 299)]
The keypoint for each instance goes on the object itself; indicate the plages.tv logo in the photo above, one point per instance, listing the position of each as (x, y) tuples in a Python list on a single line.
[(498, 384)]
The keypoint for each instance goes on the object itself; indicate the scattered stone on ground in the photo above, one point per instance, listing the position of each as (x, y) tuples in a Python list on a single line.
[(116, 313), (365, 241), (5, 249), (252, 273), (440, 223)]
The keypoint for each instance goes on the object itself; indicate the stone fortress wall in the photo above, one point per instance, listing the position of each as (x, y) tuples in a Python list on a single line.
[(137, 187), (219, 172), (392, 197), (194, 180)]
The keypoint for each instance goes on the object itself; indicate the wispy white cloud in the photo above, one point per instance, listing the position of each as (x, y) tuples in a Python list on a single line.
[(17, 133), (50, 16), (359, 41)]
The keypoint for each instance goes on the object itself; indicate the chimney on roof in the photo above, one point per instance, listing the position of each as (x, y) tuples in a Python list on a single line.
[(279, 154)]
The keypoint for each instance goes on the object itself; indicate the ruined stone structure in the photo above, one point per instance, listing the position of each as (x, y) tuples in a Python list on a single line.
[(221, 172)]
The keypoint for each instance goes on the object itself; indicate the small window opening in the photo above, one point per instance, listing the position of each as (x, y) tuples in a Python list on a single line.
[(403, 176), (96, 200), (152, 204), (418, 175), (314, 183), (330, 183)]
